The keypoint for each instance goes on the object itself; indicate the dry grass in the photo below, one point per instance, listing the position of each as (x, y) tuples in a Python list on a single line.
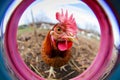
[(83, 54)]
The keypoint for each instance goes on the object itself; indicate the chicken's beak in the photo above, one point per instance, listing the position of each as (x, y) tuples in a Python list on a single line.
[(71, 38), (74, 40)]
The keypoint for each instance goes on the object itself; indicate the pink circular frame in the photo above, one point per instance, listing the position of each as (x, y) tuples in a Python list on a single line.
[(92, 73)]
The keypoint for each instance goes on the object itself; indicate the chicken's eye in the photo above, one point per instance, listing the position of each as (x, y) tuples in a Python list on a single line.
[(58, 30)]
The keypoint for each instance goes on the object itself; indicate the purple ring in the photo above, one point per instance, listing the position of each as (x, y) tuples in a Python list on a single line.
[(92, 73)]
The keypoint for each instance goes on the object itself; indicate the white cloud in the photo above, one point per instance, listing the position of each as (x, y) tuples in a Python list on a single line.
[(48, 8)]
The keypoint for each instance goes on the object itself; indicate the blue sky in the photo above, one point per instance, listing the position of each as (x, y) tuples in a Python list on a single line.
[(40, 8), (82, 13), (73, 6)]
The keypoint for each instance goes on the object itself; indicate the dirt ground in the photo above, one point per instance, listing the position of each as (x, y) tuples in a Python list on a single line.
[(29, 44)]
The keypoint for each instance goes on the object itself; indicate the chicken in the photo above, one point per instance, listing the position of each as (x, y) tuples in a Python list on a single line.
[(56, 47)]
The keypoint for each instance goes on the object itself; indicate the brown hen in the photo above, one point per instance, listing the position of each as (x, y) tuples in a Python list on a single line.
[(56, 47)]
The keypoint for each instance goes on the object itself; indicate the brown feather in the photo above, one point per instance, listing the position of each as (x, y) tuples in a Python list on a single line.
[(52, 56)]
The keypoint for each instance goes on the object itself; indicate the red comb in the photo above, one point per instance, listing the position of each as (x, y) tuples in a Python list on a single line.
[(68, 21)]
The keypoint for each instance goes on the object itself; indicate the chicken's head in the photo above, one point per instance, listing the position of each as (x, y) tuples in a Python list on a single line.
[(64, 33)]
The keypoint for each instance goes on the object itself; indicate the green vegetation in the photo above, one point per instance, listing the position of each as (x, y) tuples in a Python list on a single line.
[(22, 30), (22, 26)]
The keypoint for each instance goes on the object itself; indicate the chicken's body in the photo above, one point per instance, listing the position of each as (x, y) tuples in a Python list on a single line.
[(56, 47), (52, 56)]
